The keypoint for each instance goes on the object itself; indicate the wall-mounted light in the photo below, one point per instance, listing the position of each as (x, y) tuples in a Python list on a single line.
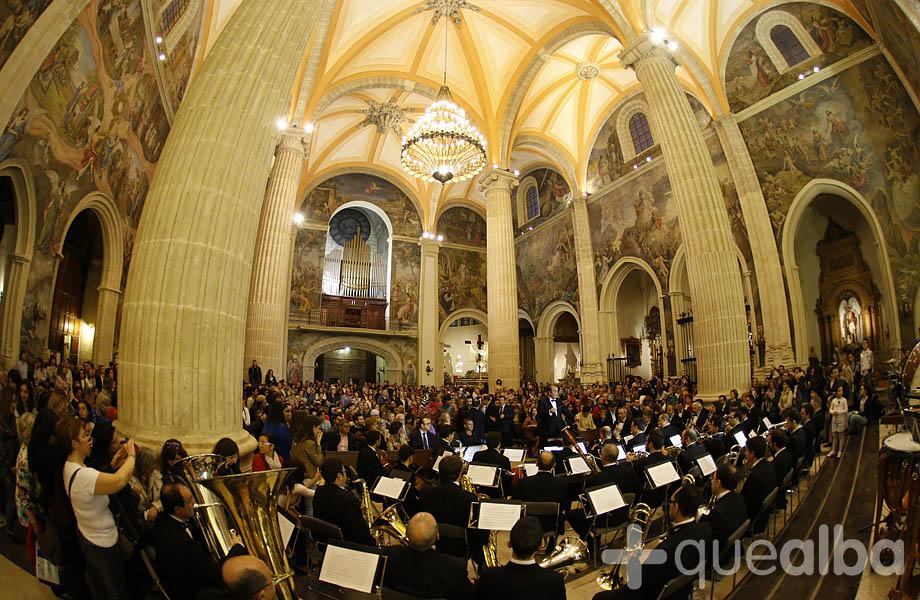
[(158, 39), (298, 218), (308, 127), (281, 123), (161, 57)]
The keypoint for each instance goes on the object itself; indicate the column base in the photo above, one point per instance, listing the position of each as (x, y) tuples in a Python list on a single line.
[(192, 443), (592, 373)]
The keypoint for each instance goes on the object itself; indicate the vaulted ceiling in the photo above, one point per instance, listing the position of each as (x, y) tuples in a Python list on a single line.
[(538, 77)]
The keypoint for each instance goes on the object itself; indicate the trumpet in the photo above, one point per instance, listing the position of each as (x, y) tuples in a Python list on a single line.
[(640, 517)]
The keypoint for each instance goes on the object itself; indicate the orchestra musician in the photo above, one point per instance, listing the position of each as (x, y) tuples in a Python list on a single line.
[(445, 443), (613, 471), (543, 486), (783, 461), (522, 578), (653, 444), (798, 438), (715, 444), (684, 528), (727, 512), (604, 438), (406, 470), (760, 481), (638, 427), (335, 504), (369, 466), (686, 460), (448, 502)]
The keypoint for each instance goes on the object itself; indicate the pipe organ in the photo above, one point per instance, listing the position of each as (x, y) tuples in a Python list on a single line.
[(355, 271)]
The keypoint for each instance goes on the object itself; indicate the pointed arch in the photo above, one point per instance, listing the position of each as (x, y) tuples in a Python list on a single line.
[(21, 259), (395, 367)]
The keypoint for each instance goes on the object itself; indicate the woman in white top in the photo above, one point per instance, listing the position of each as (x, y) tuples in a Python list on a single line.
[(837, 407), (88, 490)]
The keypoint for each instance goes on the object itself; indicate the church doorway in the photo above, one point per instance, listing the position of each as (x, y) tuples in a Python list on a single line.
[(527, 350), (566, 348), (8, 225), (465, 347), (74, 305), (350, 364)]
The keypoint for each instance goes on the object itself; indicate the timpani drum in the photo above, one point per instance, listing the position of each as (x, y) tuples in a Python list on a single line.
[(897, 469)]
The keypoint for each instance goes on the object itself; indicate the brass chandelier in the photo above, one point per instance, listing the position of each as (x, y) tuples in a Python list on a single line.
[(443, 145)]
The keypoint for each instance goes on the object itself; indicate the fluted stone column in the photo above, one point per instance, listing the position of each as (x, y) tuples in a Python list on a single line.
[(12, 318), (720, 333), (501, 279), (591, 356), (185, 302), (543, 359), (104, 339), (429, 346), (772, 288), (269, 287)]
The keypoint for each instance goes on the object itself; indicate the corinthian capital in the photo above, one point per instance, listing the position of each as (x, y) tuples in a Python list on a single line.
[(643, 48), (293, 139), (496, 179)]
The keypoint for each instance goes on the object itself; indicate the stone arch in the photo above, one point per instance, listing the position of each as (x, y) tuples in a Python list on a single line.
[(112, 226), (627, 112), (563, 163), (395, 367), (544, 343), (21, 260), (610, 291), (794, 216), (774, 18), (463, 312), (459, 203), (522, 314)]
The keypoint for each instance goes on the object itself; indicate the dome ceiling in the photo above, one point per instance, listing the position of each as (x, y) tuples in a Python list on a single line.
[(538, 77)]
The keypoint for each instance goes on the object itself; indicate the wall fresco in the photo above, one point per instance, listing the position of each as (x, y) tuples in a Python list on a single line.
[(901, 39), (553, 194), (750, 75), (180, 53), (323, 201), (16, 17), (406, 262), (461, 225), (546, 267), (307, 271), (461, 280)]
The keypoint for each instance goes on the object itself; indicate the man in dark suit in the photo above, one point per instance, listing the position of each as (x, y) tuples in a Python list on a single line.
[(684, 504), (728, 512), (783, 461), (653, 444), (760, 481), (449, 503), (550, 411), (492, 456), (369, 466), (798, 439), (183, 561), (715, 445), (613, 471), (333, 503), (500, 418), (637, 431), (445, 443), (255, 374), (522, 578), (468, 435), (811, 433), (421, 571), (667, 430), (543, 486), (422, 438), (686, 460), (333, 441), (243, 577)]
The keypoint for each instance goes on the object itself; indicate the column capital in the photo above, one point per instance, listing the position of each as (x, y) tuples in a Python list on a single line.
[(646, 47), (728, 120), (20, 259), (429, 245), (293, 139), (492, 178)]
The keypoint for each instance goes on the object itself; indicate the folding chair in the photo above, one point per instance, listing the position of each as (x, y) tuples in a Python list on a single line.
[(764, 512), (452, 540), (729, 547), (548, 515)]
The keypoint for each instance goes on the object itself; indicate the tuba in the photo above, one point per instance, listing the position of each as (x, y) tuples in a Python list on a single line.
[(209, 512), (639, 517), (252, 501), (570, 550), (393, 522), (367, 508), (490, 548)]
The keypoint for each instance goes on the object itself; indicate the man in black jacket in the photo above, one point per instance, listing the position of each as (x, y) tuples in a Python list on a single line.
[(613, 471), (686, 460), (333, 503), (760, 481), (421, 571), (255, 373), (543, 487), (549, 415), (184, 564), (522, 578), (422, 438), (500, 418), (333, 441), (492, 456), (449, 503), (728, 513), (369, 466), (656, 574), (783, 461)]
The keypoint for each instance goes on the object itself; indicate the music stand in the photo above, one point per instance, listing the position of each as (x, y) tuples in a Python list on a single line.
[(483, 475), (501, 515), (350, 571), (662, 474), (602, 499), (576, 465), (470, 451), (394, 488), (706, 464)]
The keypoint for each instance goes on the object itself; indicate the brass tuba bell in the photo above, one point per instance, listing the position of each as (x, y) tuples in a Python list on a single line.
[(252, 501), (209, 512), (569, 550), (392, 521)]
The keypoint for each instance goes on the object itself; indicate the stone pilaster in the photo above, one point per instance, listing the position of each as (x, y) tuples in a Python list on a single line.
[(543, 359), (772, 288), (185, 302), (269, 286), (592, 368), (720, 333), (104, 340), (12, 318), (501, 279), (429, 346)]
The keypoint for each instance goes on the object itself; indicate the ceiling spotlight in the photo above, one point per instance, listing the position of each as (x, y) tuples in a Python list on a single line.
[(440, 238), (658, 35), (635, 166), (648, 159), (495, 166), (672, 46), (161, 57), (347, 349), (158, 39), (298, 218), (817, 68), (281, 123), (517, 173), (584, 194), (308, 127)]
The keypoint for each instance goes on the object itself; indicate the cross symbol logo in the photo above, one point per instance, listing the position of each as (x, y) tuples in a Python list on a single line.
[(631, 556)]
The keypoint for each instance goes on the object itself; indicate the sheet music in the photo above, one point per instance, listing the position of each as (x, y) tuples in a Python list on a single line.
[(286, 528), (481, 474), (583, 447), (707, 465), (676, 441), (606, 499), (622, 454), (663, 474), (553, 448), (741, 438), (390, 487), (530, 469), (627, 438), (470, 451), (639, 448), (498, 516), (515, 455), (578, 465), (349, 568), (766, 422)]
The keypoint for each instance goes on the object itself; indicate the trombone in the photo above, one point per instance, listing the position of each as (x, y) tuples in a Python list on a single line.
[(639, 518)]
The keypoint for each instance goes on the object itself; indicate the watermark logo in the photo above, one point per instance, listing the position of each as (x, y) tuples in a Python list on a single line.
[(830, 553)]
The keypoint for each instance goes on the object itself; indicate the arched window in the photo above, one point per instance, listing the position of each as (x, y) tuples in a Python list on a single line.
[(533, 202), (788, 45), (172, 13), (641, 132)]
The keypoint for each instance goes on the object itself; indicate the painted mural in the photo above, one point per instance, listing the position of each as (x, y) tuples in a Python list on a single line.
[(901, 39), (323, 201), (299, 342), (307, 271), (461, 280), (180, 48), (858, 127), (461, 225), (553, 195), (404, 280), (91, 120), (546, 267), (16, 17), (750, 75)]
